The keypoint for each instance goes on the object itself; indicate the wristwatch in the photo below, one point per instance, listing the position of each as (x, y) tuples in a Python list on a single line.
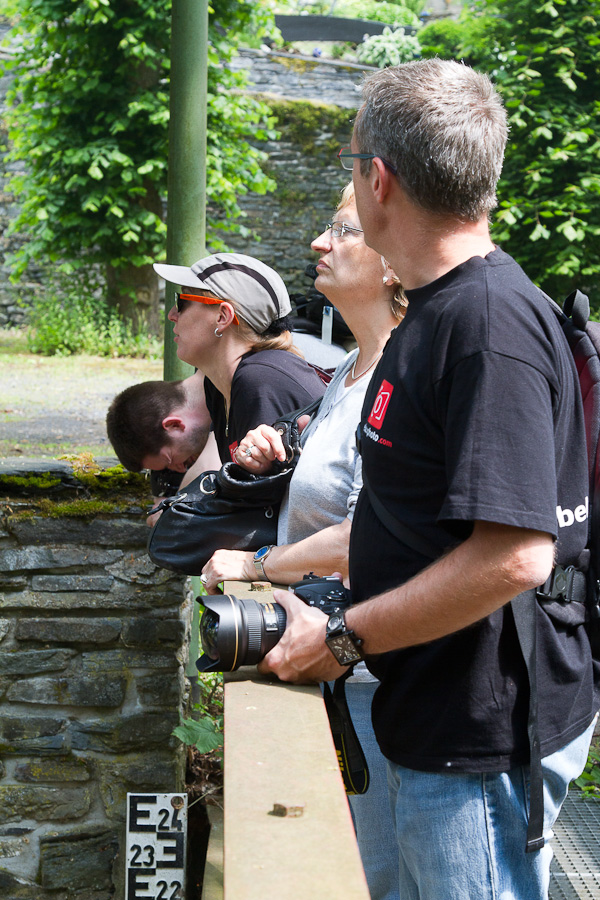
[(342, 641), (259, 558)]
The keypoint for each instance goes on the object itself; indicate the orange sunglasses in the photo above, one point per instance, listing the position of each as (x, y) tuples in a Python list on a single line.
[(198, 298)]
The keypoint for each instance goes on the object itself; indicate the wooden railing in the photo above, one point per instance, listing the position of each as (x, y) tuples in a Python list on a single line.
[(287, 831)]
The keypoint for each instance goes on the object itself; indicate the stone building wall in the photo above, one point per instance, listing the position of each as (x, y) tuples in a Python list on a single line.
[(314, 102), (92, 656)]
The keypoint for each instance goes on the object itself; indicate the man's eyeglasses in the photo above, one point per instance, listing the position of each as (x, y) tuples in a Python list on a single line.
[(346, 157), (182, 299), (339, 229)]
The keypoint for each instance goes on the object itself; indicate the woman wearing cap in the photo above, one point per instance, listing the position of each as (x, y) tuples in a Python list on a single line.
[(315, 518), (230, 322)]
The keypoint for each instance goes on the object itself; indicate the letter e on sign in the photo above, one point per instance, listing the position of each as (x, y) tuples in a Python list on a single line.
[(382, 401)]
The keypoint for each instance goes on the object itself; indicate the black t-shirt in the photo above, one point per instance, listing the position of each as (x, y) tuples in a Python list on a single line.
[(265, 385), (473, 413)]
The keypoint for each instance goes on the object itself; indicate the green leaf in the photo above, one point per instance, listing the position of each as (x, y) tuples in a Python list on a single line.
[(202, 734)]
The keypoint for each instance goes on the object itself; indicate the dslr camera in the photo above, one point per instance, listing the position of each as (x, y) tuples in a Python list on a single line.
[(238, 632)]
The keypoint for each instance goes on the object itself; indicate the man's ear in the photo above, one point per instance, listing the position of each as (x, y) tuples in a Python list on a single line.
[(381, 179), (173, 423)]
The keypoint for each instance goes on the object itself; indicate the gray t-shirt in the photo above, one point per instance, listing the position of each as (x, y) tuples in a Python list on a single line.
[(328, 478)]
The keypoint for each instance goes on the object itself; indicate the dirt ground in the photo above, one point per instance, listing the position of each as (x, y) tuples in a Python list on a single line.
[(51, 406)]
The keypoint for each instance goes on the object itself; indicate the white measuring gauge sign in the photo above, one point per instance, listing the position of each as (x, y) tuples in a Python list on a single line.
[(156, 845)]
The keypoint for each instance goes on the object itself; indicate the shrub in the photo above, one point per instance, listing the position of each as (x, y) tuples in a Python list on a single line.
[(388, 49), (72, 318), (379, 11)]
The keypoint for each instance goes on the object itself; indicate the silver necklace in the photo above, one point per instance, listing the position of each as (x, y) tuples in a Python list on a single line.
[(353, 374)]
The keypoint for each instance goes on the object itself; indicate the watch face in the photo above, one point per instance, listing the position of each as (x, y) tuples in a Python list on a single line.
[(260, 553), (335, 622), (344, 650)]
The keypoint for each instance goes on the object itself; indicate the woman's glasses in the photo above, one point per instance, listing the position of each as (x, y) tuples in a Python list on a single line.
[(182, 299), (339, 229)]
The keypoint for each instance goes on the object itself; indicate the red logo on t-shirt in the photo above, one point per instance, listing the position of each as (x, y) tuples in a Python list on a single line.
[(232, 449), (381, 404)]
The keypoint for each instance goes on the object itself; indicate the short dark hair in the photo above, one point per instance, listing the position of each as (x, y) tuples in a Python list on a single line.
[(443, 127), (135, 416)]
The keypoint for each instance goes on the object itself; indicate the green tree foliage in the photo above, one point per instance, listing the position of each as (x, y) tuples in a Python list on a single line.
[(442, 37), (88, 119), (545, 59)]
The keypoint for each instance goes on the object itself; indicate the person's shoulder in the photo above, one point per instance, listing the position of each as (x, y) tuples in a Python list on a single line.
[(287, 365), (499, 309), (274, 359)]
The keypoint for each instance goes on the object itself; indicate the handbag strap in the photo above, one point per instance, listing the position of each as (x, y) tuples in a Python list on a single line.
[(291, 417)]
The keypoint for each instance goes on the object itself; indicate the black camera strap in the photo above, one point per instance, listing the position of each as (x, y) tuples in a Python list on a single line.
[(351, 759)]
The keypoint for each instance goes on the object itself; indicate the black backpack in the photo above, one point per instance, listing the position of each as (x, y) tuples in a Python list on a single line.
[(571, 595), (583, 338)]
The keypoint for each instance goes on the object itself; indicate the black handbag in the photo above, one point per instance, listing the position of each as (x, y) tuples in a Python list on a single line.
[(229, 509)]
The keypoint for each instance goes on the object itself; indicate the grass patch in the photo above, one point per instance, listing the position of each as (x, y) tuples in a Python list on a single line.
[(589, 781), (13, 341)]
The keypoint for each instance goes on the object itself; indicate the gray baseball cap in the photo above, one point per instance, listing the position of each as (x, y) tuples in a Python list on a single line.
[(258, 292)]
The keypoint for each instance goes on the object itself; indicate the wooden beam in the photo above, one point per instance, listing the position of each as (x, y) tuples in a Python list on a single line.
[(287, 825), (331, 28)]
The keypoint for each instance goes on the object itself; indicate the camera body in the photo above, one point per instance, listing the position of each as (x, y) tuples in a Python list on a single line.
[(327, 594), (238, 632)]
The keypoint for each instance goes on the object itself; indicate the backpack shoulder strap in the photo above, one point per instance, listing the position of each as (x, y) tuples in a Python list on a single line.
[(399, 529), (577, 308)]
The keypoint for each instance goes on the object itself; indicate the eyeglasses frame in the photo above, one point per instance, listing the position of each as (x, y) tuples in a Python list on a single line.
[(342, 155), (351, 229), (199, 298)]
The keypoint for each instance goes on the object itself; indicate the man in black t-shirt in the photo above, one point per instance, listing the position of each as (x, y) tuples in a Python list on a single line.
[(472, 435)]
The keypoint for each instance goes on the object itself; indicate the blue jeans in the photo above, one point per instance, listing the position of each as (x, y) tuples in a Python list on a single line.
[(371, 811), (462, 836)]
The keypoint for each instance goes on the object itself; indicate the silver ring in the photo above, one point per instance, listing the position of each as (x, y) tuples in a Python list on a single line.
[(248, 450), (204, 579)]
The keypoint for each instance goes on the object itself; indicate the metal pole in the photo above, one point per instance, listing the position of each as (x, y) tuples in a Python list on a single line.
[(186, 185), (187, 154)]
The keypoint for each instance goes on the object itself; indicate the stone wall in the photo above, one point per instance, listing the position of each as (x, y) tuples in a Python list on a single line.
[(302, 77), (314, 103), (92, 656)]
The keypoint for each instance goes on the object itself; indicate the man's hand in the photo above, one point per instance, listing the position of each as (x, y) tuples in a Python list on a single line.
[(301, 656), (228, 565), (153, 517)]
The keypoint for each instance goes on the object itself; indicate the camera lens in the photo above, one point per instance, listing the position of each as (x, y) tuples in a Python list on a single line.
[(210, 633), (237, 632)]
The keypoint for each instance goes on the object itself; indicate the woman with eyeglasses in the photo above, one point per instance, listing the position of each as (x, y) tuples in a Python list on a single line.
[(230, 321), (315, 518)]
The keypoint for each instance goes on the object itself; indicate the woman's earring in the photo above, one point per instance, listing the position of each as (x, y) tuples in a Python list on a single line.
[(218, 333), (384, 263)]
